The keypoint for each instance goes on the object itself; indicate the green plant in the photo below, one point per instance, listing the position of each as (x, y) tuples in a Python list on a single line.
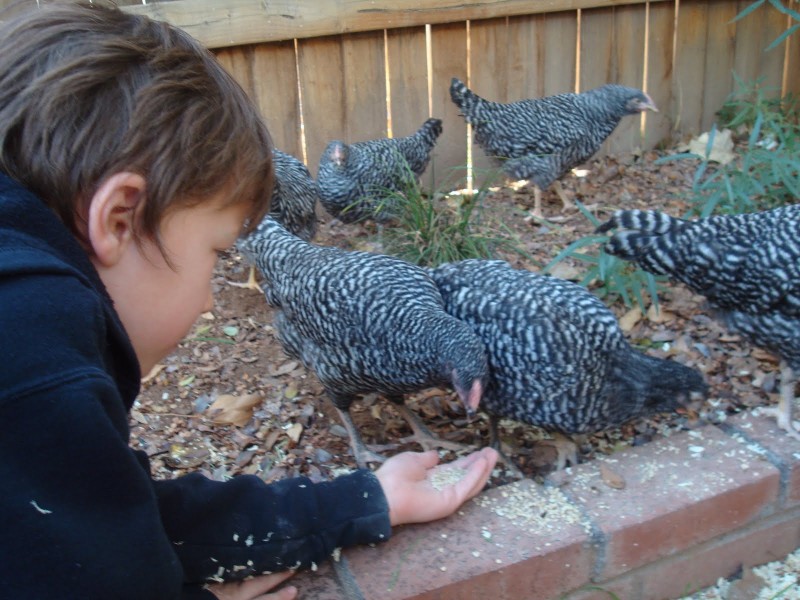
[(766, 172), (434, 229), (609, 277)]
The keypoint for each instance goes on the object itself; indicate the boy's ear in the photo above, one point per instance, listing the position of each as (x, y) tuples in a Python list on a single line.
[(112, 216)]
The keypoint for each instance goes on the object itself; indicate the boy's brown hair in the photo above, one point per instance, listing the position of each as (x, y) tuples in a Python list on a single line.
[(87, 91)]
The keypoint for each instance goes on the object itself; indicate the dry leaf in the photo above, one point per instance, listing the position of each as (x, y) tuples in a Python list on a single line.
[(234, 409), (153, 372), (186, 456), (660, 315), (294, 432), (138, 417), (271, 438), (630, 319), (284, 368), (611, 478), (721, 150)]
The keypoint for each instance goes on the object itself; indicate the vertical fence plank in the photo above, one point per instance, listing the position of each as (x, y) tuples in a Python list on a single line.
[(322, 85), (793, 63), (449, 48), (560, 61), (658, 126), (629, 25), (408, 83), (408, 79), (275, 87), (489, 57), (526, 57), (542, 55), (598, 59), (364, 86), (689, 70), (718, 57), (772, 60), (754, 33)]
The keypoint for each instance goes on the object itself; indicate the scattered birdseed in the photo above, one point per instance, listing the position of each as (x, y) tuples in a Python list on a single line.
[(445, 476), (336, 554), (443, 568), (532, 507), (781, 581)]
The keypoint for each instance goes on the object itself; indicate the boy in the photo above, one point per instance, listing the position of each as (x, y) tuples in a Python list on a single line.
[(128, 158)]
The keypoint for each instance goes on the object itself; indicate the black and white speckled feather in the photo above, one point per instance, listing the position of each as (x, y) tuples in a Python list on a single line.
[(353, 179), (747, 266), (557, 357), (294, 196), (540, 139), (363, 322)]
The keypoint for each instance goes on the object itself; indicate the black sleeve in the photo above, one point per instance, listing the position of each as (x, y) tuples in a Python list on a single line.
[(229, 530)]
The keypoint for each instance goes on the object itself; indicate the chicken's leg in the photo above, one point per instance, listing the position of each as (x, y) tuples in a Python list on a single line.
[(360, 451), (250, 284), (423, 436), (565, 200), (783, 412), (537, 203), (494, 442)]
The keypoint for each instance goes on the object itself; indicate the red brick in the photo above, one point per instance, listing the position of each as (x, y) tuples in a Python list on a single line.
[(454, 559), (688, 572), (764, 431), (679, 492)]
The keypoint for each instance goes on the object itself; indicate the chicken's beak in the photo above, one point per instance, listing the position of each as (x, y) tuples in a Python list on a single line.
[(648, 104), (472, 399)]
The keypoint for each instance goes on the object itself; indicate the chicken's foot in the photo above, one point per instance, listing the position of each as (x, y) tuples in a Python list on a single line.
[(250, 284), (423, 436), (565, 200), (783, 412)]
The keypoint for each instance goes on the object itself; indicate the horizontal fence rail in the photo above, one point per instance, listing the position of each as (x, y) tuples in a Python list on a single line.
[(362, 69)]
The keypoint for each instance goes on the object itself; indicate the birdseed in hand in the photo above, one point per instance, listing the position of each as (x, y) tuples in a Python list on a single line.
[(445, 476)]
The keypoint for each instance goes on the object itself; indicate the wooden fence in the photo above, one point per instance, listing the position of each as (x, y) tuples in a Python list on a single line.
[(363, 69)]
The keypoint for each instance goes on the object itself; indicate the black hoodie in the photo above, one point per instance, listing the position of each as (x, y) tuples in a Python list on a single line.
[(80, 516)]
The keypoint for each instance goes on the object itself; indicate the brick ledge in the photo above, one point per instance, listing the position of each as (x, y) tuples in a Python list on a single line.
[(648, 523)]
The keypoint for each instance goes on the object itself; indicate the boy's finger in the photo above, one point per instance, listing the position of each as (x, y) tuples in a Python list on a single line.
[(428, 459), (475, 479), (264, 583)]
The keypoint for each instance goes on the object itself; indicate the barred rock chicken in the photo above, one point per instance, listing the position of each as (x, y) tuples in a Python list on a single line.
[(354, 180), (541, 139), (294, 197), (747, 266), (365, 323), (557, 357), (293, 203)]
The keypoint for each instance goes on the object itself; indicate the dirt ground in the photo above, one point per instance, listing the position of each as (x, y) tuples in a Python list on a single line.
[(228, 400)]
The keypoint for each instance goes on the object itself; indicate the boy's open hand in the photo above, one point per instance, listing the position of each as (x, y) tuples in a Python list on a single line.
[(414, 496), (256, 588)]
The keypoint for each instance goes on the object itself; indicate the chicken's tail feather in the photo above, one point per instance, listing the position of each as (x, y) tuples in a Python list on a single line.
[(431, 130), (647, 221), (464, 98)]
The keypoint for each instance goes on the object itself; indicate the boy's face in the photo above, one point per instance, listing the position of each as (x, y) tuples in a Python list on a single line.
[(159, 304)]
